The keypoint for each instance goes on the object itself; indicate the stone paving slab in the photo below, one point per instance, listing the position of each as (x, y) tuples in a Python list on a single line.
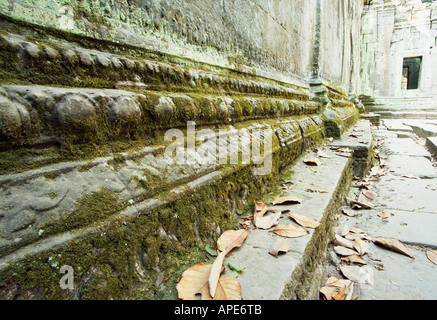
[(404, 146), (402, 278), (396, 125), (403, 165), (410, 227), (412, 205), (422, 128), (396, 192)]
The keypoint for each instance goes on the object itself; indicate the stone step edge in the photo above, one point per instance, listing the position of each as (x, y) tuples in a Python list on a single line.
[(131, 211), (304, 277)]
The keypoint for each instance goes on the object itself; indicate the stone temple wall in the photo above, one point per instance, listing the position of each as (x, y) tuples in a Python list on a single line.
[(88, 92), (392, 31)]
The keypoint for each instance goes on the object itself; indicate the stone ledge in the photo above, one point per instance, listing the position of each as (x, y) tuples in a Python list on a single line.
[(37, 114), (431, 143), (54, 192), (297, 274), (52, 62)]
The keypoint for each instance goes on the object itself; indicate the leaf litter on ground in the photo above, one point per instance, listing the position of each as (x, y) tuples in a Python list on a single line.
[(228, 240)]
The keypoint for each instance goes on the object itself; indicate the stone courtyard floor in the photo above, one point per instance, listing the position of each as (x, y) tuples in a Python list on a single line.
[(402, 189)]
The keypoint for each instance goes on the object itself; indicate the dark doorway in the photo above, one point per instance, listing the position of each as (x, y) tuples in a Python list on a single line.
[(411, 73)]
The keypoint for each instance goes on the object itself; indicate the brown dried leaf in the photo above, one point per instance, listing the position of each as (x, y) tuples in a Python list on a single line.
[(363, 204), (432, 255), (280, 245), (354, 236), (231, 239), (354, 259), (357, 274), (393, 244), (290, 231), (343, 251), (304, 221), (195, 281), (361, 246), (357, 230), (259, 210), (370, 195), (227, 241), (338, 295), (337, 288), (349, 212), (327, 292), (384, 215), (214, 275), (312, 162), (266, 222), (342, 230), (288, 200), (228, 288), (360, 185), (344, 242)]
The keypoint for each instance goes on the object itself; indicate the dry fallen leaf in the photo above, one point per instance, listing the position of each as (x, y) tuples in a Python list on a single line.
[(363, 204), (370, 195), (353, 236), (357, 274), (344, 242), (228, 288), (338, 295), (432, 255), (431, 187), (304, 221), (337, 289), (357, 230), (361, 246), (384, 215), (259, 210), (362, 184), (227, 241), (195, 282), (327, 292), (266, 222), (393, 244), (343, 251), (354, 259), (280, 245), (290, 231), (349, 212), (312, 162), (231, 239), (342, 230), (287, 199)]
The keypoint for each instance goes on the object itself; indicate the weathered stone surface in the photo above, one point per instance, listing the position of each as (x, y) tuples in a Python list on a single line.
[(85, 58), (70, 56), (125, 109), (51, 53), (14, 119), (31, 49), (74, 107), (103, 60), (165, 108)]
